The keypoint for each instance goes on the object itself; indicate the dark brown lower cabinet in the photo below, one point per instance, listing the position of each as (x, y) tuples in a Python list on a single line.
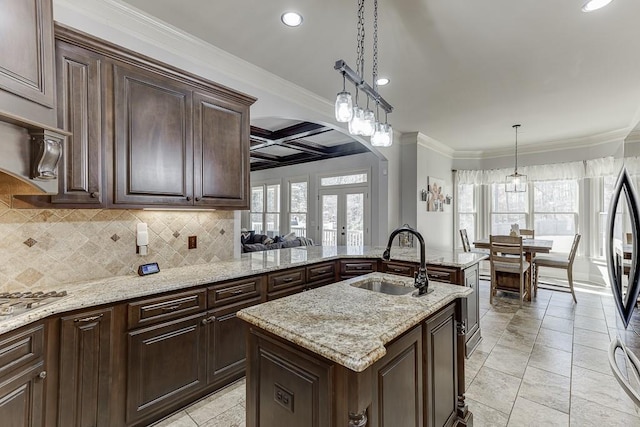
[(227, 350), (293, 388), (85, 369), (417, 383), (166, 362), (397, 388), (22, 397), (441, 373), (22, 378)]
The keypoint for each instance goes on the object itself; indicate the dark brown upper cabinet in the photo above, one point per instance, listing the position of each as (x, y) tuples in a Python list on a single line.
[(153, 147), (80, 106), (221, 152), (146, 134), (26, 60)]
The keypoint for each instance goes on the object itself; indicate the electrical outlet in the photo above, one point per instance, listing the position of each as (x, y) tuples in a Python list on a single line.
[(193, 242)]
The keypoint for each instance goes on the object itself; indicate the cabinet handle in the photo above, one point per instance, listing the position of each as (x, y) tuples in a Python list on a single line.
[(322, 271), (171, 307), (397, 270), (288, 279), (94, 195), (197, 199), (42, 375), (188, 199), (208, 320), (237, 292), (88, 319)]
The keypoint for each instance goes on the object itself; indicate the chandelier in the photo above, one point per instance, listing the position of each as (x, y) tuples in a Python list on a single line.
[(364, 122), (516, 182)]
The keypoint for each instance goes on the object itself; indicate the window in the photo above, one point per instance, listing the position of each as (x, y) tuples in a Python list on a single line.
[(555, 212), (607, 186), (507, 209), (360, 178), (265, 209), (467, 210), (298, 208)]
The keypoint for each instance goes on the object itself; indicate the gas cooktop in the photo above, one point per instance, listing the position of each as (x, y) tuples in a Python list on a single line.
[(20, 302)]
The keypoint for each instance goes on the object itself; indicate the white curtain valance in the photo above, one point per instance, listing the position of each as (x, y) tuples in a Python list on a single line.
[(553, 172), (605, 166), (632, 164)]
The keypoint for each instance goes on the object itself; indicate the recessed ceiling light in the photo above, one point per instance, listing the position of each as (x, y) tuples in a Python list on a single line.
[(382, 81), (291, 19), (592, 5)]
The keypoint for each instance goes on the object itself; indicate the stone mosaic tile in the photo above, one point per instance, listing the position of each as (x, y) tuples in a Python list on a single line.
[(41, 249)]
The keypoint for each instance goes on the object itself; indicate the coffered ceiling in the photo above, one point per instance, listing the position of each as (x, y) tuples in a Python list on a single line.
[(462, 72)]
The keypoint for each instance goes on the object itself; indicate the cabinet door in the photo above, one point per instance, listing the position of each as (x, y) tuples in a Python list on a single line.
[(22, 398), (227, 344), (471, 279), (153, 139), (286, 387), (80, 112), (221, 152), (85, 371), (165, 362), (26, 50), (397, 391), (441, 376)]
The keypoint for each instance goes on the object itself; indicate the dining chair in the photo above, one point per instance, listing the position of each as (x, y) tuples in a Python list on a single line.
[(466, 246), (507, 263), (557, 262), (527, 233)]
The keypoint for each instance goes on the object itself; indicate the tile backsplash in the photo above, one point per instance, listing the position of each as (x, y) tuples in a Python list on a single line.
[(43, 249)]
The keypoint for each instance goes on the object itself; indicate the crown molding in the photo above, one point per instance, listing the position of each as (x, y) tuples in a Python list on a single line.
[(427, 142), (187, 51), (546, 147)]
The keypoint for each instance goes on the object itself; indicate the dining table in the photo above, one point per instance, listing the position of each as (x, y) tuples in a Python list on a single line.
[(530, 247)]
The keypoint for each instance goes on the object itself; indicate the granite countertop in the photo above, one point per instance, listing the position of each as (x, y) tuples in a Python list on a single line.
[(120, 288), (346, 324)]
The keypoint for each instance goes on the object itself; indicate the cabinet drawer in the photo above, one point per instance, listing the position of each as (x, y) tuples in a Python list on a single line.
[(165, 308), (325, 271), (398, 268), (442, 274), (285, 279), (357, 267), (20, 348), (238, 290)]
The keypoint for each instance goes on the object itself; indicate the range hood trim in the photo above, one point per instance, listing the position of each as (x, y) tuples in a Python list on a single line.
[(46, 142)]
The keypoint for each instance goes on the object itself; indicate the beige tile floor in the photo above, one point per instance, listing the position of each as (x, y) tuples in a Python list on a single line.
[(544, 364)]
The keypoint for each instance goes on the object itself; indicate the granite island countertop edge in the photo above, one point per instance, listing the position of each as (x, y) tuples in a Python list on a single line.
[(357, 335)]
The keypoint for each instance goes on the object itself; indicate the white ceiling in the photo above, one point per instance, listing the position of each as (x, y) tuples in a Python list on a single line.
[(462, 71)]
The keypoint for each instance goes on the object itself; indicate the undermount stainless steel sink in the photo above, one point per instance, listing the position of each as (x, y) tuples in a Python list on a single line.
[(383, 287)]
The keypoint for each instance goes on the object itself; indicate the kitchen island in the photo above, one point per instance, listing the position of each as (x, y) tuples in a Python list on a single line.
[(138, 333), (345, 356)]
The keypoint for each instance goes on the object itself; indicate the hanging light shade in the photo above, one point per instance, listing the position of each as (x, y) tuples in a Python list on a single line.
[(357, 121), (368, 123), (516, 182), (383, 135), (344, 104)]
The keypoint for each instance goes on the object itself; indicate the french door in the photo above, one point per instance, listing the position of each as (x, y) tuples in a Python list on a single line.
[(344, 216)]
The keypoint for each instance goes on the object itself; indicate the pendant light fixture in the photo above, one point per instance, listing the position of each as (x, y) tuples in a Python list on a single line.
[(361, 121), (516, 183)]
